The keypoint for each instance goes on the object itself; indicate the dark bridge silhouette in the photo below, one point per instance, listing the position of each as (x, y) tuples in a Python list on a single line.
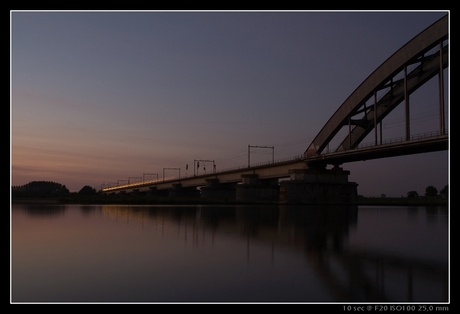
[(419, 60)]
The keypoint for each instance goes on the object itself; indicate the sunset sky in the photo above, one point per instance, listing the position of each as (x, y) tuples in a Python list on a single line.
[(100, 96)]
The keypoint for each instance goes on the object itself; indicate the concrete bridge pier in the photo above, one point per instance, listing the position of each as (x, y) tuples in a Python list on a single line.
[(153, 191), (136, 192), (178, 190), (215, 190), (319, 186), (254, 189)]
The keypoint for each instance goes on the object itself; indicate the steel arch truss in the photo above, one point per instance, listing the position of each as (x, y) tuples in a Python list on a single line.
[(422, 58)]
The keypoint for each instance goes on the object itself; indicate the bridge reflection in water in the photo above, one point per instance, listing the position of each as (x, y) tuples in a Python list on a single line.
[(321, 233)]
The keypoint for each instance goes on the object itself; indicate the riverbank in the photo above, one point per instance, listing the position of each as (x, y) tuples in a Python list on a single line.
[(164, 200)]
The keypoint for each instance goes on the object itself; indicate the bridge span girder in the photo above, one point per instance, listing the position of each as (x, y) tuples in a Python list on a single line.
[(428, 68), (411, 52)]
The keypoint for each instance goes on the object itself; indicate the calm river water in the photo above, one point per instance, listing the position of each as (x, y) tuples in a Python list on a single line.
[(113, 253)]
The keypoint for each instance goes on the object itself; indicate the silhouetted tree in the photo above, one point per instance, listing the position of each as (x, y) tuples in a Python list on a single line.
[(431, 191), (87, 190), (412, 194), (445, 191)]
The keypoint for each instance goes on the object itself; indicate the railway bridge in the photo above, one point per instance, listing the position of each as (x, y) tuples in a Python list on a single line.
[(317, 176)]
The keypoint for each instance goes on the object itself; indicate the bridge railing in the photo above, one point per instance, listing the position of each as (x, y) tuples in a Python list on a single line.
[(139, 183), (401, 139)]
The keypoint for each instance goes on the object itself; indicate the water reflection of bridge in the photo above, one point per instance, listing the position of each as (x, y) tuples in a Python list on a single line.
[(320, 233)]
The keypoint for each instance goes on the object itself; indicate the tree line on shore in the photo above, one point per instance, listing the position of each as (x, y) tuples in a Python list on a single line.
[(47, 189), (431, 191)]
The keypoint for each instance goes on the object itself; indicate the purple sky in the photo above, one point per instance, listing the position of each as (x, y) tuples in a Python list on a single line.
[(98, 97)]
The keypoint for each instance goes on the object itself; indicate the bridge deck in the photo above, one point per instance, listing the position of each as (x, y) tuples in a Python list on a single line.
[(392, 149), (269, 171), (279, 170)]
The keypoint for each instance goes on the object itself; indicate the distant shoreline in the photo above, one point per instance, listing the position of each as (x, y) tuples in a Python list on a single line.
[(151, 200), (403, 201)]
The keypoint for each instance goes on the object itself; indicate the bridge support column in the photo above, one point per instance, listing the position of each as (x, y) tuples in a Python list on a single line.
[(255, 190), (218, 191), (137, 192), (153, 191), (179, 191), (319, 186)]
